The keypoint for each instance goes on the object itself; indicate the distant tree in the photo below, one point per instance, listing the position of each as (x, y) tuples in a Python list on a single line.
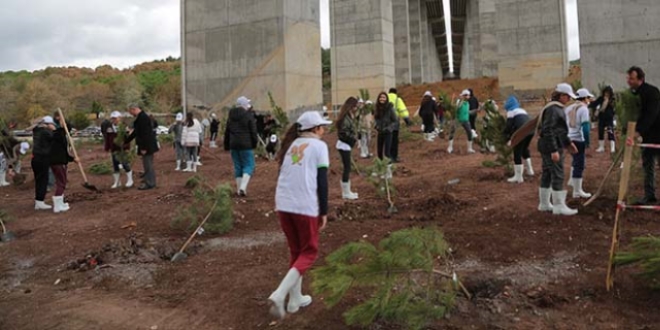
[(325, 61)]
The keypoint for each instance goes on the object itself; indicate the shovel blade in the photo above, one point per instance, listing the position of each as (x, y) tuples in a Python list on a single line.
[(6, 237), (179, 256), (90, 186)]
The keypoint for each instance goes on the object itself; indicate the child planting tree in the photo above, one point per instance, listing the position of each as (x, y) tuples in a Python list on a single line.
[(115, 136)]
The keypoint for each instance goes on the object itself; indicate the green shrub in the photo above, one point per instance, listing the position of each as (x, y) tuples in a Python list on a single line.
[(102, 168), (644, 252)]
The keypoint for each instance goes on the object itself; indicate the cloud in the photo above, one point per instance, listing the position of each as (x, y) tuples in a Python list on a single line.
[(41, 33)]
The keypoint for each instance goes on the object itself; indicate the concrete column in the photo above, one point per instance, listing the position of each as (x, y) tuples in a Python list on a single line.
[(471, 59), (434, 71), (615, 35), (415, 28), (362, 39), (488, 38), (401, 22), (531, 40), (237, 47)]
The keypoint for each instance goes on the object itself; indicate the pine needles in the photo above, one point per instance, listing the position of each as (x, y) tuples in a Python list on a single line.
[(645, 252), (222, 217), (398, 275)]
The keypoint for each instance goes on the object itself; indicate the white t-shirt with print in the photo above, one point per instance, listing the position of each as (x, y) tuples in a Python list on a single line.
[(581, 115), (296, 190)]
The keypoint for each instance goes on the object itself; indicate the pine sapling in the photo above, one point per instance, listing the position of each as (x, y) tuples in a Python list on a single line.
[(399, 278), (221, 219), (644, 252), (123, 155), (492, 134)]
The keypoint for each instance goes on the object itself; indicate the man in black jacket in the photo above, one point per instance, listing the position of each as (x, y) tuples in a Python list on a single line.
[(647, 130), (241, 139), (147, 145), (553, 139)]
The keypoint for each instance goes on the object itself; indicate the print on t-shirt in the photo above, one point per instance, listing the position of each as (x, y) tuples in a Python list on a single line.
[(298, 153)]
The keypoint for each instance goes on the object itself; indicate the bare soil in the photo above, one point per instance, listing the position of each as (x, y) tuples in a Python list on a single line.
[(105, 263)]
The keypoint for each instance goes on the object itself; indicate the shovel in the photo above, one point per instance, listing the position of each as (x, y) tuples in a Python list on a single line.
[(391, 209), (86, 184), (179, 256), (6, 235)]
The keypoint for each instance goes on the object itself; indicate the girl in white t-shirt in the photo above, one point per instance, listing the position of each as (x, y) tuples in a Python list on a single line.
[(346, 138), (301, 200)]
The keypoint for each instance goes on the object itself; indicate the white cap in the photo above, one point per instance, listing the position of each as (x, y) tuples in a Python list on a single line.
[(360, 100), (583, 93), (213, 115), (465, 92), (311, 119), (325, 108), (243, 102), (115, 114), (24, 148), (428, 93), (179, 116), (433, 98), (369, 102), (47, 120), (565, 88)]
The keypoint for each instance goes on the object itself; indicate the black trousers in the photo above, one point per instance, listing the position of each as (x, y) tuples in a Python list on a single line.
[(394, 150), (40, 168), (521, 151), (605, 123), (429, 125), (473, 122), (649, 157), (346, 161), (384, 145)]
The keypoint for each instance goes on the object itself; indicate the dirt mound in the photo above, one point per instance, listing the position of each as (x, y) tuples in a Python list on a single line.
[(483, 88)]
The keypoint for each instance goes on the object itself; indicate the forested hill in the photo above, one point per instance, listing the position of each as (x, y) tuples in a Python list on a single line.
[(25, 95)]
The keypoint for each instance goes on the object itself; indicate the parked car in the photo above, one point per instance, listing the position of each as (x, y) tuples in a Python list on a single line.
[(90, 131), (21, 132), (162, 130)]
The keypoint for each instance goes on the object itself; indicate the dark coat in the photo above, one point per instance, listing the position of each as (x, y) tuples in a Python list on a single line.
[(215, 125), (347, 133), (42, 139), (428, 110), (515, 123), (604, 114), (59, 154), (241, 130), (388, 121), (553, 135), (144, 134), (648, 123)]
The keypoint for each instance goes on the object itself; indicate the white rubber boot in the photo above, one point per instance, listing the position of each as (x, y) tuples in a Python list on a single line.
[(530, 169), (199, 161), (244, 183), (58, 204), (238, 184), (612, 146), (577, 189), (559, 207), (601, 146), (544, 200), (129, 179), (474, 134), (178, 165), (570, 178), (41, 205), (450, 149), (188, 166), (194, 167), (213, 145), (116, 183), (518, 174), (276, 299), (346, 192), (3, 179), (470, 150), (296, 298)]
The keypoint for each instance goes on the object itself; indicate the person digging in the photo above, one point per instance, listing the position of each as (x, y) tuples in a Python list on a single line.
[(553, 139)]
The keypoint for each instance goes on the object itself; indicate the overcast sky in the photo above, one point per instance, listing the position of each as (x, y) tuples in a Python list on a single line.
[(40, 33)]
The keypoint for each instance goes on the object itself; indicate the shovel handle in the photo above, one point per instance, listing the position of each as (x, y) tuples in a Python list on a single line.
[(73, 146), (208, 215)]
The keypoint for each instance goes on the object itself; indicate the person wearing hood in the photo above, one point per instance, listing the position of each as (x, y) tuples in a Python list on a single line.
[(553, 139), (346, 125), (517, 117), (604, 109), (191, 141), (109, 135), (241, 140), (42, 137), (177, 130), (215, 125), (579, 126), (463, 119), (427, 111)]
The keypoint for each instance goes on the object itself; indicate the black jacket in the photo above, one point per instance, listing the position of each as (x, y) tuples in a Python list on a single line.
[(59, 154), (553, 135), (347, 133), (474, 105), (241, 130), (42, 138), (606, 114), (388, 122), (215, 124), (143, 133), (648, 123), (428, 110), (514, 123)]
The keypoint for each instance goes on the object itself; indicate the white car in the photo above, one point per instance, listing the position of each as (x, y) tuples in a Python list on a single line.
[(162, 130)]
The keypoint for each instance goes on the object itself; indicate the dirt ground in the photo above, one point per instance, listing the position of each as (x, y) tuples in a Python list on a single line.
[(527, 270)]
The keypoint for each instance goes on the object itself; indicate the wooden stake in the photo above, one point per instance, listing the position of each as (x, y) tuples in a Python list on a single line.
[(623, 191)]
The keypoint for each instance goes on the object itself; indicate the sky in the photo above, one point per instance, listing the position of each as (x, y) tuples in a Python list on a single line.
[(39, 33)]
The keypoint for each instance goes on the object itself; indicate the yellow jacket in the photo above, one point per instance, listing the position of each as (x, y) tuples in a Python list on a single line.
[(399, 106)]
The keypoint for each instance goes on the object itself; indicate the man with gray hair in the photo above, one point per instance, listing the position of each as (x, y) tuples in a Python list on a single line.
[(147, 145)]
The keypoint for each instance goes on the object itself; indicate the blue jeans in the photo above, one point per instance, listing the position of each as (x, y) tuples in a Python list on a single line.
[(579, 160), (243, 162)]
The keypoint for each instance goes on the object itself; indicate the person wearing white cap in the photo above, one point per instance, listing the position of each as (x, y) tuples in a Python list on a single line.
[(59, 161), (427, 111), (463, 119), (177, 129), (42, 138), (553, 139), (579, 126), (116, 151), (241, 140), (301, 201), (215, 126), (347, 138)]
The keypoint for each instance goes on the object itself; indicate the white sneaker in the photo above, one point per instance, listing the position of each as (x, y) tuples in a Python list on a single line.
[(41, 205)]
